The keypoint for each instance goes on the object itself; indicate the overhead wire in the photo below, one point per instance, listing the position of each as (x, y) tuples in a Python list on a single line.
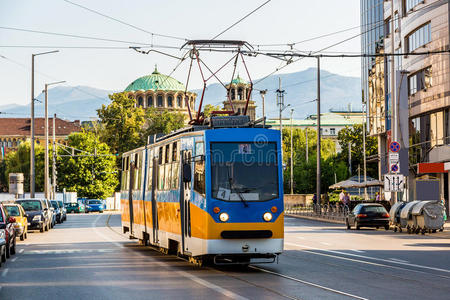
[(124, 23)]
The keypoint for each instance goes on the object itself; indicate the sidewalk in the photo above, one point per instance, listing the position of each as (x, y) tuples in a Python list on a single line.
[(445, 234)]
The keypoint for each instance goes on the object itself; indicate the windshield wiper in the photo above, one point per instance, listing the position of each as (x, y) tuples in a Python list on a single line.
[(230, 180)]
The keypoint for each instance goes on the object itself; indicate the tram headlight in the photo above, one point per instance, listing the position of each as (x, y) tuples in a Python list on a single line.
[(267, 217), (224, 217)]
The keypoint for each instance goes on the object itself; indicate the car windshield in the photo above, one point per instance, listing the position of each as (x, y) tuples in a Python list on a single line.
[(61, 204), (94, 202), (13, 210), (244, 171), (31, 205), (55, 204), (373, 209)]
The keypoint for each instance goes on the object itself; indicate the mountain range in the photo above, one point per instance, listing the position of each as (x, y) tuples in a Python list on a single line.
[(337, 92)]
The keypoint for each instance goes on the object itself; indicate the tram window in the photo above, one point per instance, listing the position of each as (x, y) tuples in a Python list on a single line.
[(160, 157), (161, 177), (199, 176), (174, 152), (167, 176), (199, 148), (149, 179), (167, 154), (138, 173)]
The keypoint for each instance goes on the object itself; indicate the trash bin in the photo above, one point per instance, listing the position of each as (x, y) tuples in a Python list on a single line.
[(428, 216), (406, 220), (394, 215)]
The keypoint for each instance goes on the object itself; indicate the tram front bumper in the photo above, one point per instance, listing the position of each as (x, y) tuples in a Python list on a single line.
[(245, 246)]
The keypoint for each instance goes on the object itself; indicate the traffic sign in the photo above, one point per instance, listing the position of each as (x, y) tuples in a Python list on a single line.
[(394, 183), (394, 168), (394, 147)]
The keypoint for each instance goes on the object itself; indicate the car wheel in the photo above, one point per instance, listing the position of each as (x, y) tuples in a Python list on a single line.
[(41, 229), (357, 226), (347, 224), (386, 227), (46, 227), (8, 253), (26, 234), (13, 249), (22, 236), (4, 255)]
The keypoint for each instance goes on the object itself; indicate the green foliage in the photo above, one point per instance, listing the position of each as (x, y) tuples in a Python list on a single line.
[(210, 108), (3, 177), (161, 122), (304, 172), (354, 136), (19, 162), (122, 123), (89, 176)]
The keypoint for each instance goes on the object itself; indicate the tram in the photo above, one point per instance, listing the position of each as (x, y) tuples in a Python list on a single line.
[(208, 192)]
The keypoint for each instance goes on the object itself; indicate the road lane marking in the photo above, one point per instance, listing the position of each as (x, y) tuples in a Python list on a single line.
[(398, 260), (14, 259), (372, 258), (21, 250), (300, 237), (5, 271), (358, 251), (68, 251), (309, 283), (325, 243), (192, 277)]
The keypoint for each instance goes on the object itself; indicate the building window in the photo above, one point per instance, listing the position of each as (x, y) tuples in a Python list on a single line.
[(332, 131), (240, 97), (410, 4), (170, 101), (140, 101), (387, 26), (419, 37), (179, 104), (160, 101), (396, 21), (149, 101), (421, 80)]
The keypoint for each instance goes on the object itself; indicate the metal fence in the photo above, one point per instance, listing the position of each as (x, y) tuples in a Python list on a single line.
[(334, 211)]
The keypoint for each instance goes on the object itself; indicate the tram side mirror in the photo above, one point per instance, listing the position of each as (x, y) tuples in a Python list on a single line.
[(186, 172)]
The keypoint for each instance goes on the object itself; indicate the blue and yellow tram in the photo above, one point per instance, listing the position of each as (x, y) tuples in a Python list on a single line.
[(213, 193)]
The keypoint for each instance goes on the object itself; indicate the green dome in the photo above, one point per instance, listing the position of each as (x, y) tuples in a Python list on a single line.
[(238, 80), (155, 81)]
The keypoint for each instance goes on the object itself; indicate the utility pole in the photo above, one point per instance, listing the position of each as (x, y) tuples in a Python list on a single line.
[(350, 158), (46, 168), (306, 136), (364, 156), (393, 95), (32, 167), (292, 161), (318, 133), (280, 103), (54, 158), (263, 95)]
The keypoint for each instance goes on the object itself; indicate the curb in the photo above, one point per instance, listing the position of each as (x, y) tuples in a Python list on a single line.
[(316, 219)]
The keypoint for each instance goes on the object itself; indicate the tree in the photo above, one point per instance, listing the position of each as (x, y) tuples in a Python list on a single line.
[(19, 162), (209, 108), (88, 175), (353, 135), (161, 122), (122, 123)]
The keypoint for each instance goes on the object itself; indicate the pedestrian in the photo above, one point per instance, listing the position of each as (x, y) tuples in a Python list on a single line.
[(378, 197), (342, 196), (346, 199), (314, 199)]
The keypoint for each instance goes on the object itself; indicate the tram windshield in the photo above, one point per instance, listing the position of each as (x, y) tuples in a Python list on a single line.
[(244, 171)]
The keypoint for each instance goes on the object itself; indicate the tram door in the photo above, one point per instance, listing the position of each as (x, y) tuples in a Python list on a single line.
[(155, 224), (185, 199), (130, 192)]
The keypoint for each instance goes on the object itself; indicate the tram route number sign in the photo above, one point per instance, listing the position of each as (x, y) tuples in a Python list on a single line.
[(394, 183)]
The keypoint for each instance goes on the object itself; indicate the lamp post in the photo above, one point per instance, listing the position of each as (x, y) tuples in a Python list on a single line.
[(263, 95), (292, 161), (46, 171), (32, 167)]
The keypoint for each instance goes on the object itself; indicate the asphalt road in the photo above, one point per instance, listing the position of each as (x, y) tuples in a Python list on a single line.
[(88, 258)]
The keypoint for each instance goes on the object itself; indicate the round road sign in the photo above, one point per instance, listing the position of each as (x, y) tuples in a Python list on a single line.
[(394, 168), (394, 146)]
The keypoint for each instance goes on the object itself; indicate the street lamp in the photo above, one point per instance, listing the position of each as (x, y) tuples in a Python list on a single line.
[(292, 162), (32, 167), (46, 176)]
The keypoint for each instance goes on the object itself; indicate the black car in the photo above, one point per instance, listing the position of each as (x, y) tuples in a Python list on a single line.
[(368, 215), (57, 211), (38, 214), (7, 224), (63, 210)]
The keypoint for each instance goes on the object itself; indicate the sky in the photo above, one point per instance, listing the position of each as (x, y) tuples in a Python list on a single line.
[(277, 22)]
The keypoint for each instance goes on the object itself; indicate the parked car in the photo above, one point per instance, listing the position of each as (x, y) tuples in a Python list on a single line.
[(38, 213), (74, 207), (21, 226), (94, 205), (52, 213), (368, 215), (2, 246), (57, 211), (7, 223), (63, 210)]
